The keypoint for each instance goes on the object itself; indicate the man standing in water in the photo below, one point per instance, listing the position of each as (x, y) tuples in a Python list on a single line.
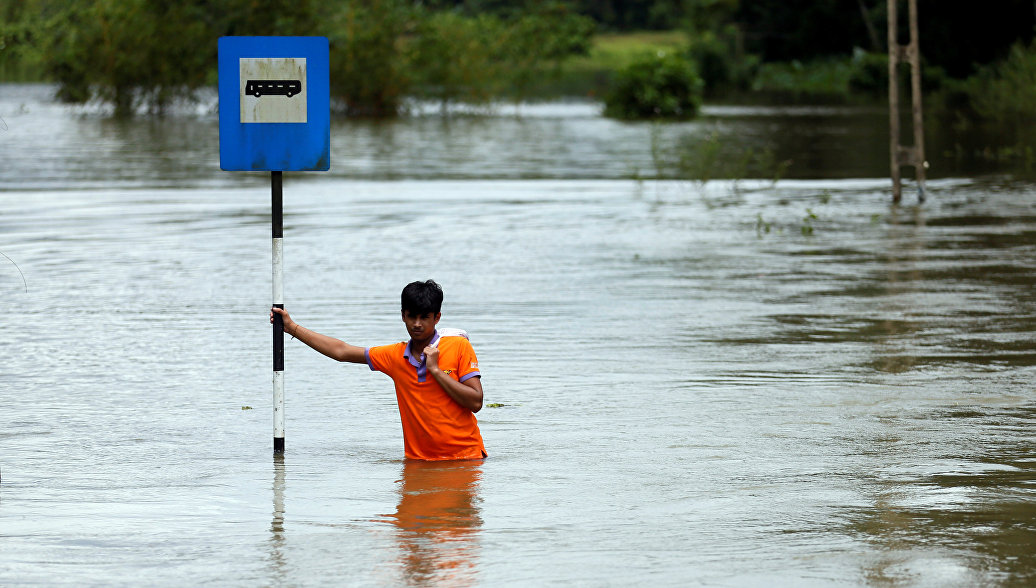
[(437, 412)]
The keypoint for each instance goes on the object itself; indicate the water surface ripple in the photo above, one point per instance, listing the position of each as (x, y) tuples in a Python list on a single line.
[(726, 384)]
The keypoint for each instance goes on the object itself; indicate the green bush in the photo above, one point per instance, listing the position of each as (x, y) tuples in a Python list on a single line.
[(1006, 93), (134, 53), (659, 85), (127, 53), (869, 74)]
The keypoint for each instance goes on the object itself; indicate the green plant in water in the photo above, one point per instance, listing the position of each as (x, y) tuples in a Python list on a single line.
[(701, 161), (658, 152), (762, 226), (704, 159), (807, 223)]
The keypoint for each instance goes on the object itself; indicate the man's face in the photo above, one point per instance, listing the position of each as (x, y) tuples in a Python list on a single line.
[(421, 326)]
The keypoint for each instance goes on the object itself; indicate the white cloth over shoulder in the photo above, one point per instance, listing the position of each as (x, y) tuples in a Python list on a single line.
[(450, 332)]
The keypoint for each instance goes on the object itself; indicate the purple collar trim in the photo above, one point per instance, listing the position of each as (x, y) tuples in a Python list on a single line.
[(417, 360)]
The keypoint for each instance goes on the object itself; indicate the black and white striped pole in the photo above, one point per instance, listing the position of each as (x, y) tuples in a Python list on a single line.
[(276, 183)]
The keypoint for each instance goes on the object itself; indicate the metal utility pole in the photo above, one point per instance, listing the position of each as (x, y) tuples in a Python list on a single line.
[(902, 155)]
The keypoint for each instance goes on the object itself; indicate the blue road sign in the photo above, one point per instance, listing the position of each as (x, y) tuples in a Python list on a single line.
[(274, 104)]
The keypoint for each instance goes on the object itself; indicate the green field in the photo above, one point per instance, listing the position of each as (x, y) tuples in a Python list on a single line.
[(617, 50), (589, 75)]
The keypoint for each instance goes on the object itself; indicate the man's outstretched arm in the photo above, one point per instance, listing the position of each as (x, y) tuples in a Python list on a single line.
[(329, 346)]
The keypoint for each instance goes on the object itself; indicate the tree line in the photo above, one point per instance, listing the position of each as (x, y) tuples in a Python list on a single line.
[(147, 53), (958, 37)]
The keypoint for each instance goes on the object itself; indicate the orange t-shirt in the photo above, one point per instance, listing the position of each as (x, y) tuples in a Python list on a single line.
[(435, 427)]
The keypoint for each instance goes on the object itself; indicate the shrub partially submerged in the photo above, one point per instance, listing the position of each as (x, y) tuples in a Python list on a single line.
[(662, 85)]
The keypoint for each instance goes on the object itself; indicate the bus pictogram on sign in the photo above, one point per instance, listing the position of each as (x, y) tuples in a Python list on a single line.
[(259, 88)]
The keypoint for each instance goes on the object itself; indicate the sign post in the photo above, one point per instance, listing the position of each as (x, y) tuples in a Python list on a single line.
[(275, 115), (277, 216)]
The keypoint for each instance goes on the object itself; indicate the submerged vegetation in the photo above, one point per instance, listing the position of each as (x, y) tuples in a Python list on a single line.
[(659, 85), (137, 54), (704, 156)]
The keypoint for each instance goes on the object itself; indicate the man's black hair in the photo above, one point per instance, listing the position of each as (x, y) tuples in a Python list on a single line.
[(422, 298)]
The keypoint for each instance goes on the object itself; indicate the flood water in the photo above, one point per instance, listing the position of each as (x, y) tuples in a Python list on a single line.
[(724, 383)]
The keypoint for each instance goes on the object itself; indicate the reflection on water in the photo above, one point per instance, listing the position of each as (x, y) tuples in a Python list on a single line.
[(438, 522), (277, 558), (976, 499), (905, 236)]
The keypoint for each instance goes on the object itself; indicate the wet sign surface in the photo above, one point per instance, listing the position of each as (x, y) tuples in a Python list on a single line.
[(274, 104)]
